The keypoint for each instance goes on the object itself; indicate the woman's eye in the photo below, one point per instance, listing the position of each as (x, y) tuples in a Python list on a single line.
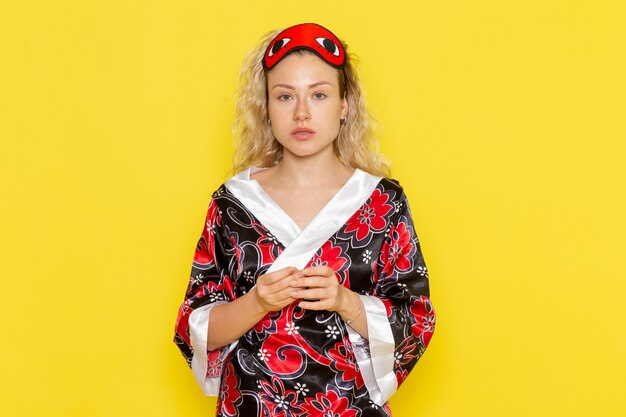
[(284, 97), (319, 96)]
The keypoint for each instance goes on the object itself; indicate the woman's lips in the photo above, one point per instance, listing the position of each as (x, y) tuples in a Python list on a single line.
[(302, 134)]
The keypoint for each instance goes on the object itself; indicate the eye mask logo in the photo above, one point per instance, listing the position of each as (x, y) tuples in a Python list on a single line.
[(309, 36)]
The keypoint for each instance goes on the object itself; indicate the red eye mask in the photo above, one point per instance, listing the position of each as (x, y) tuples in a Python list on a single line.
[(309, 36)]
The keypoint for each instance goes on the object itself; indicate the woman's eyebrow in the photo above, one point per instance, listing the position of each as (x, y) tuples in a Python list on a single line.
[(317, 84)]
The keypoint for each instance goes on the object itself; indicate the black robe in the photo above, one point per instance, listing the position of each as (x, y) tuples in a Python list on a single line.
[(297, 362)]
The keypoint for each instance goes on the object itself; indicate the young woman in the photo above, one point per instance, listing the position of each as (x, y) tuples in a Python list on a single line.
[(308, 294)]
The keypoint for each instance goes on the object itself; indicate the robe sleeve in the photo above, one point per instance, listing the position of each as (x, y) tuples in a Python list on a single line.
[(209, 285), (400, 316)]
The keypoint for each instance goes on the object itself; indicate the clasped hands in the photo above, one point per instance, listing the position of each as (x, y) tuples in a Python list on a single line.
[(280, 288)]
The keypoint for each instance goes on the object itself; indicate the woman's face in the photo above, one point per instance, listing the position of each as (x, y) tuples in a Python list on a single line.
[(304, 104)]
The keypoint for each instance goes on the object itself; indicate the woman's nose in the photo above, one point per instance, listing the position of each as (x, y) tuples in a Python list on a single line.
[(302, 111)]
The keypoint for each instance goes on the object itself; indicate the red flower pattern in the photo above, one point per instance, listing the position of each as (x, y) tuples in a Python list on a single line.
[(230, 395), (204, 254), (371, 217), (281, 403), (215, 363), (333, 256), (404, 353), (329, 404), (396, 253), (345, 363), (401, 375), (424, 319)]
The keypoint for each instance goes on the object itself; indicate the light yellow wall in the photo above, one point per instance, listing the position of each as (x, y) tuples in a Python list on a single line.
[(505, 123)]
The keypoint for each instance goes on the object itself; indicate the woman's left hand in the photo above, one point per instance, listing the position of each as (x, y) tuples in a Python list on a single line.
[(322, 285)]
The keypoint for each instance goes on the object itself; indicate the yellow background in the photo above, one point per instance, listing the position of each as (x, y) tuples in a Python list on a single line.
[(504, 121)]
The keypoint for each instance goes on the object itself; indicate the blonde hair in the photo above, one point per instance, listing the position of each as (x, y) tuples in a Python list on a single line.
[(356, 145)]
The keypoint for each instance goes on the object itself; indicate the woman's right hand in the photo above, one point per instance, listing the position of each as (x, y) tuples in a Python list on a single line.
[(273, 290)]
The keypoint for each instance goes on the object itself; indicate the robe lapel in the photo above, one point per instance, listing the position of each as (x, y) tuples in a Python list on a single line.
[(262, 206), (301, 245)]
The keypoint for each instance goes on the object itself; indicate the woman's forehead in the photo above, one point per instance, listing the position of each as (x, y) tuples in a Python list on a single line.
[(302, 67)]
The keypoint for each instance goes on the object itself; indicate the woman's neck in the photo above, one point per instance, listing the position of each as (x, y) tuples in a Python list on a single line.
[(305, 172)]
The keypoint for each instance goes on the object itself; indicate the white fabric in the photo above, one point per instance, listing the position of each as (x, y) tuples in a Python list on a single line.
[(377, 366), (198, 331), (300, 246), (269, 213)]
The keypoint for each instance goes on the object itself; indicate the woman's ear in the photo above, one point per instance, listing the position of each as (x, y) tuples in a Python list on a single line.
[(344, 107)]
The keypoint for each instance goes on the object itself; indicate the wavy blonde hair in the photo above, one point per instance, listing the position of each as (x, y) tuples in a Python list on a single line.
[(356, 145)]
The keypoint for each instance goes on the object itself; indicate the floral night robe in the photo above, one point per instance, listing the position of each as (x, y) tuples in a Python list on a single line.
[(297, 362)]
